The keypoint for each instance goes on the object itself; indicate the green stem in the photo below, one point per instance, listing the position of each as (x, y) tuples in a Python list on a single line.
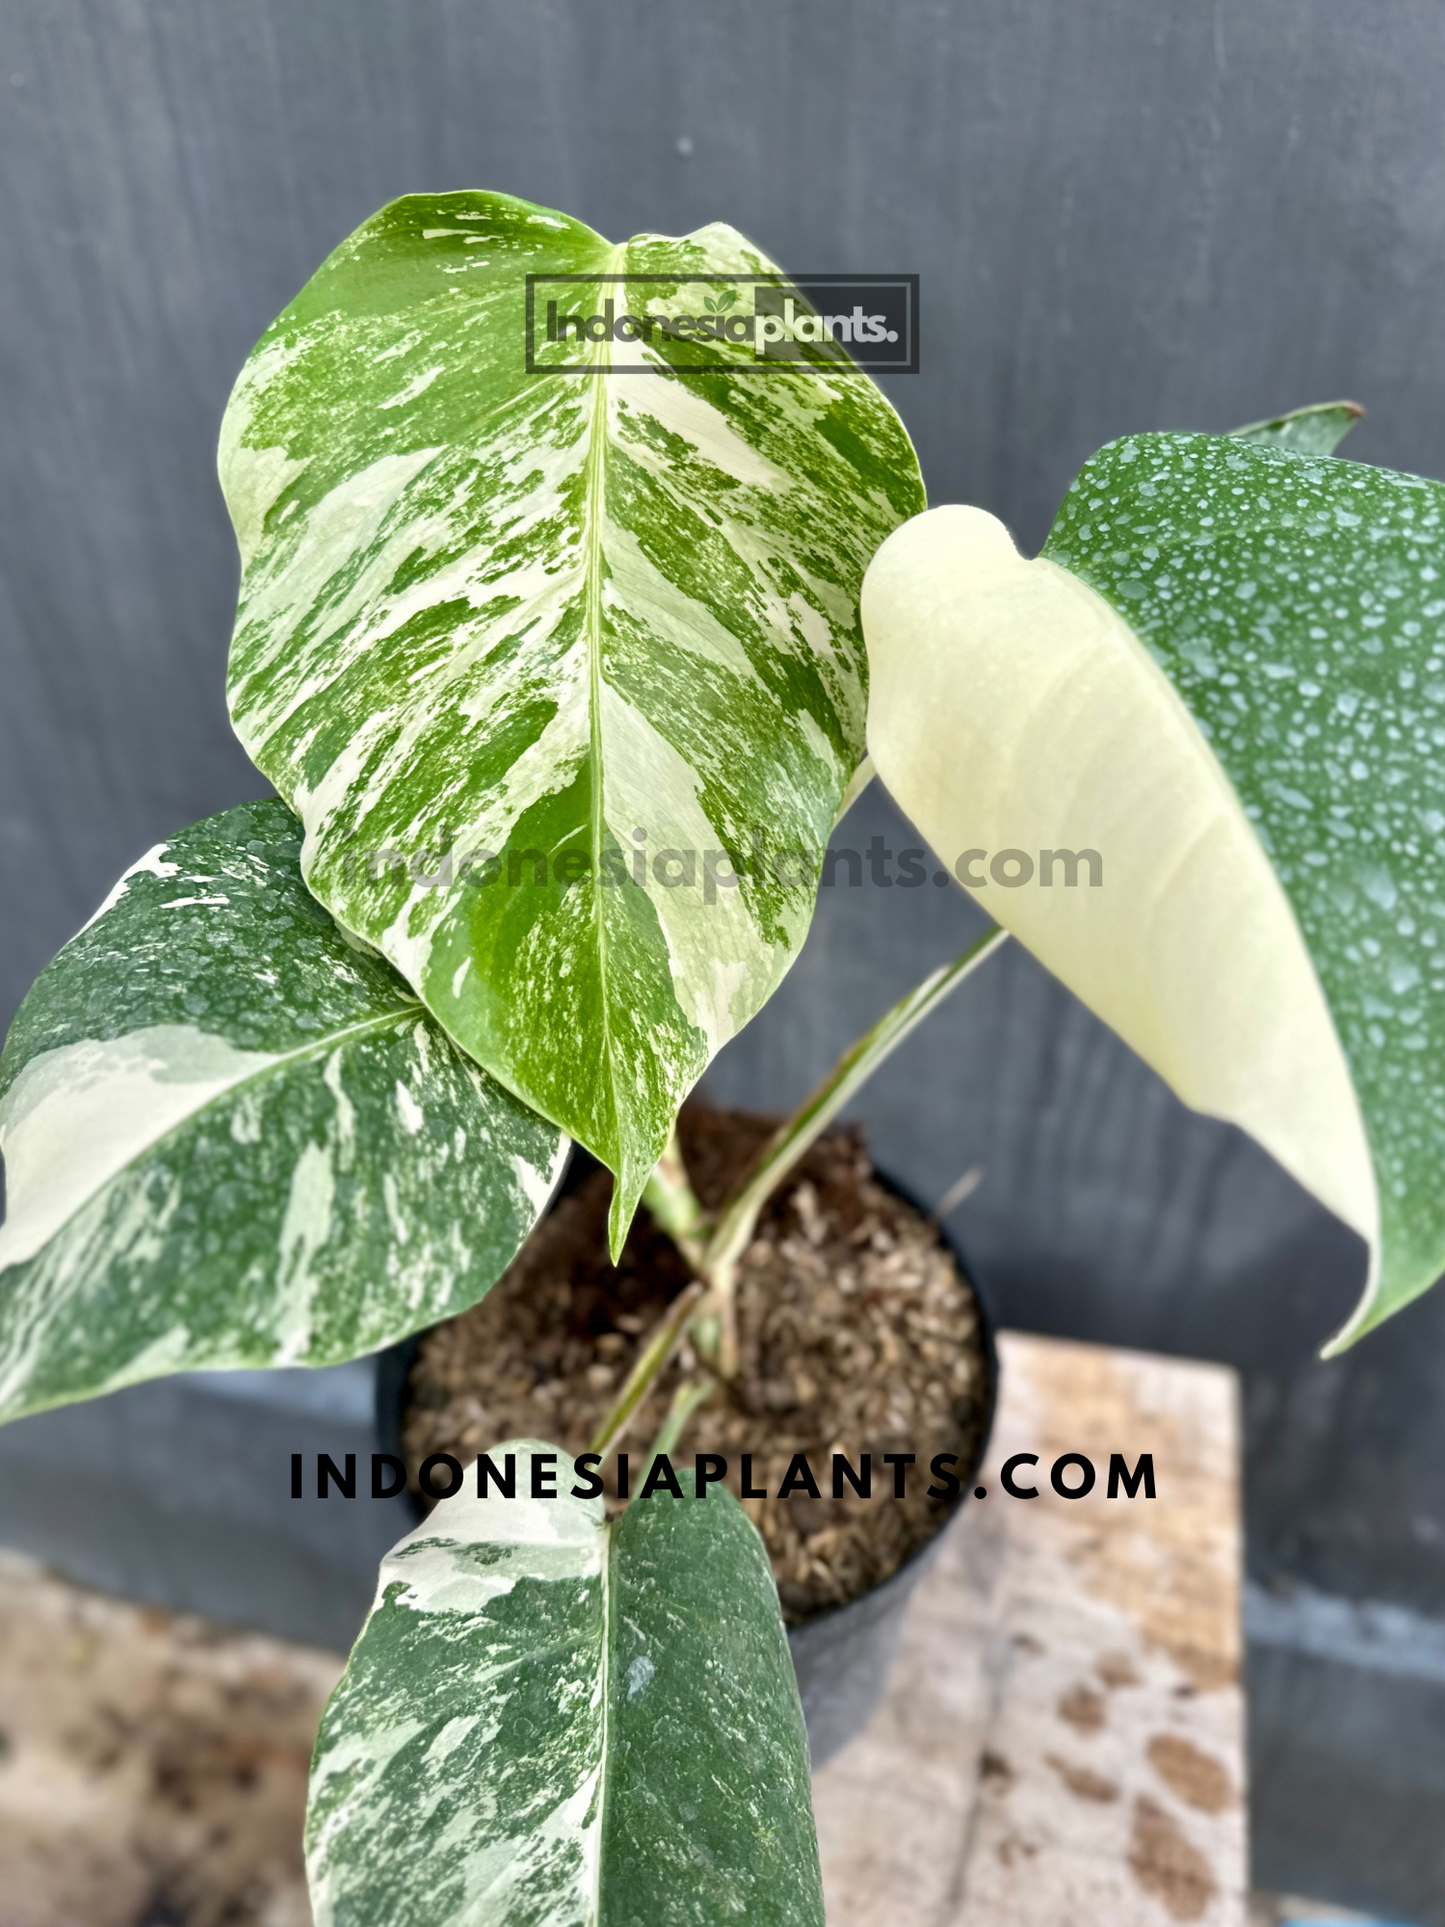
[(685, 1400), (675, 1205), (717, 1259), (736, 1222), (650, 1361)]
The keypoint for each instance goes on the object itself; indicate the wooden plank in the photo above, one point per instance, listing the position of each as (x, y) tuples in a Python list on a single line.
[(1062, 1743)]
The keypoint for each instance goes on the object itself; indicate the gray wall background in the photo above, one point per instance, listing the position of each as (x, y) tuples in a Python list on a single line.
[(1125, 217)]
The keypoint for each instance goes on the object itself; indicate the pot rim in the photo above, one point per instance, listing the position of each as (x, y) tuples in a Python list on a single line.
[(394, 1363)]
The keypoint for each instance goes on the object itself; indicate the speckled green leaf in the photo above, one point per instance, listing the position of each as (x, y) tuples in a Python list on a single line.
[(556, 1722), (233, 1138), (1226, 675), (485, 611)]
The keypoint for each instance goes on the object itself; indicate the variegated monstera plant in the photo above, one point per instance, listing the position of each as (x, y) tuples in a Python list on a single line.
[(561, 678)]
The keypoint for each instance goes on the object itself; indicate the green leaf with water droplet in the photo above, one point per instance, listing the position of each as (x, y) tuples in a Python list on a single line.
[(553, 1721), (233, 1137), (560, 670), (1225, 674)]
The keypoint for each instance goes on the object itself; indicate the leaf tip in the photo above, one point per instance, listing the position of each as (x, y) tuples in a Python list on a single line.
[(619, 1218)]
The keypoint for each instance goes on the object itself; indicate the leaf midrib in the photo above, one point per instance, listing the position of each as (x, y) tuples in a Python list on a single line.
[(593, 490)]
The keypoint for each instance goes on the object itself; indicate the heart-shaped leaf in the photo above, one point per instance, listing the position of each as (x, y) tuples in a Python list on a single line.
[(1226, 677), (504, 635), (555, 1721), (232, 1137)]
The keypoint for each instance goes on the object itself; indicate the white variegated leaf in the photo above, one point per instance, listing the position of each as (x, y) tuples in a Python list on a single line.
[(504, 636), (232, 1137), (553, 1721), (1225, 675)]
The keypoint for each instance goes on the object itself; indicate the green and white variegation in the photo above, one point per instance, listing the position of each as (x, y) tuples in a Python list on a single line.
[(1225, 675), (503, 637), (555, 1721), (233, 1138)]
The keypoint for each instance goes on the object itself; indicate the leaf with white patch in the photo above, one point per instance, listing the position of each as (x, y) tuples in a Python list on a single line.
[(1226, 676), (232, 1137), (553, 1720), (560, 670)]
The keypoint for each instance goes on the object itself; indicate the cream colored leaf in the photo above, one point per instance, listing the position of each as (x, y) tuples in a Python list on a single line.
[(1013, 709)]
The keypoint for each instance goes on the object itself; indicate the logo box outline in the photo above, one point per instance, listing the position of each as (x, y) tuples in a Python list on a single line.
[(801, 282)]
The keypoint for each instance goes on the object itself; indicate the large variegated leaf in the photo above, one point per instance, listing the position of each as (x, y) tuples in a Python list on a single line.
[(486, 612), (553, 1721), (233, 1138), (1226, 675)]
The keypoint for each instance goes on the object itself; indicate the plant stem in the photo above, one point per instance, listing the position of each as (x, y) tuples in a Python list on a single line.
[(650, 1361), (736, 1222), (685, 1400), (713, 1292), (675, 1205)]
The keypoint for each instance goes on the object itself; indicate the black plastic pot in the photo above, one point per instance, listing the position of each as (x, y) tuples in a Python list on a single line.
[(843, 1657)]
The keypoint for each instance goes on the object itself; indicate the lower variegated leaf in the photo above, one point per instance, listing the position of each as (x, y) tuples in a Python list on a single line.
[(233, 1137), (556, 1721)]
